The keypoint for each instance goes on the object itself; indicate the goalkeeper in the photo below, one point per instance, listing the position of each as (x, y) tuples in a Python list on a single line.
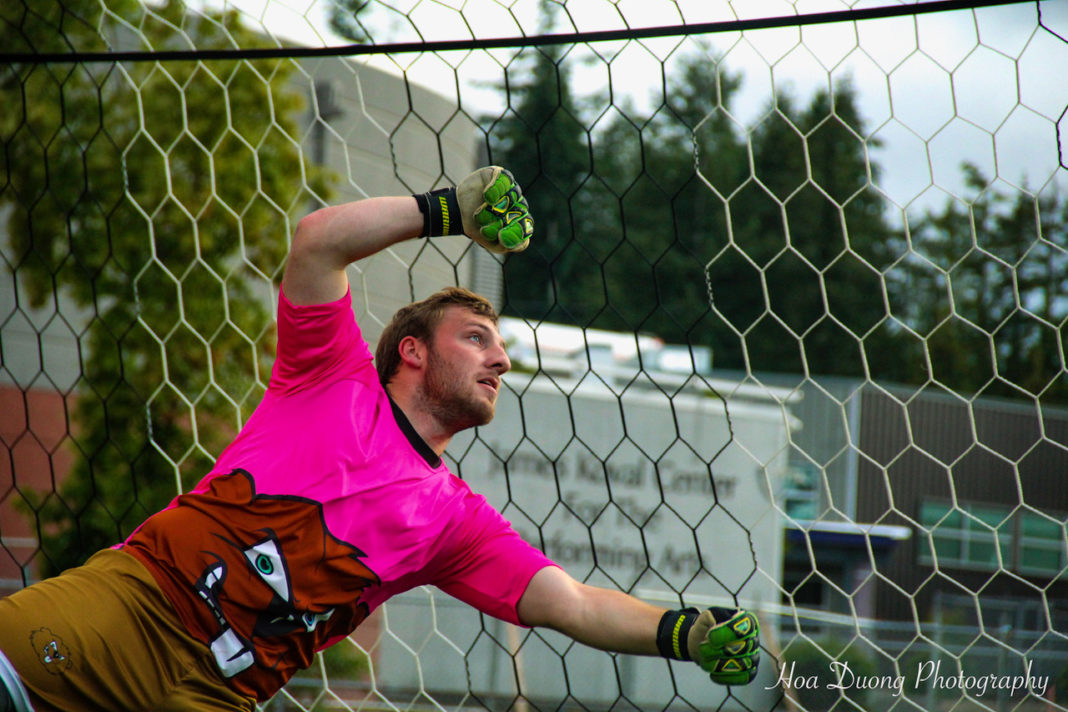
[(332, 498)]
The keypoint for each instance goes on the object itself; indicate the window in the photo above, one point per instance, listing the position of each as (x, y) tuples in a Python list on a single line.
[(972, 535), (1041, 543), (800, 494)]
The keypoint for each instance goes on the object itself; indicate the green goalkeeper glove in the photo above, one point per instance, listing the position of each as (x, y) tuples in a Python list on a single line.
[(494, 211), (725, 642)]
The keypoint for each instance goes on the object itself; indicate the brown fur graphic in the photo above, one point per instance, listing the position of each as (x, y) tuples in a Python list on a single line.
[(278, 584), (51, 651)]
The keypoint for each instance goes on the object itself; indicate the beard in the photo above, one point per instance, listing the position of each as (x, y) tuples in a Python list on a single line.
[(445, 398)]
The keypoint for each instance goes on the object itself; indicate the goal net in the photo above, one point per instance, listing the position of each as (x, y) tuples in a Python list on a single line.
[(790, 335)]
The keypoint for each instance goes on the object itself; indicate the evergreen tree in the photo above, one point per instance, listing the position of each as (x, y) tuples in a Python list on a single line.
[(347, 18), (666, 179), (367, 21), (792, 251), (155, 196), (542, 139), (811, 222), (990, 275)]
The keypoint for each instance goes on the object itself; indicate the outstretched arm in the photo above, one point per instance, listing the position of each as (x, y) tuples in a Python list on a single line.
[(724, 642), (599, 617), (327, 240)]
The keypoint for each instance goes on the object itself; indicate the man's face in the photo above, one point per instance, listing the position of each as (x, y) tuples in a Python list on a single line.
[(465, 361)]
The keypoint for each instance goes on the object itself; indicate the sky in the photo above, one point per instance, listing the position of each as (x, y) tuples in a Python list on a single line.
[(936, 90)]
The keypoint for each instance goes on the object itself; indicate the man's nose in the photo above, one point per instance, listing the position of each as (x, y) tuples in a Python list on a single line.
[(501, 363)]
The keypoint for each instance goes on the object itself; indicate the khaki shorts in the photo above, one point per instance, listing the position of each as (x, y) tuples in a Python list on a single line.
[(103, 637)]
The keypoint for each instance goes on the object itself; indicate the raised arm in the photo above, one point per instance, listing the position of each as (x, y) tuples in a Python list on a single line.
[(328, 240), (488, 206), (724, 642)]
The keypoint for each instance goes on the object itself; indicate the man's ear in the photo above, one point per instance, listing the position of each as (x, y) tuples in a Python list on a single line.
[(412, 352)]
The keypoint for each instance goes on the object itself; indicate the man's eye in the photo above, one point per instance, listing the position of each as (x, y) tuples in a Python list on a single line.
[(477, 338)]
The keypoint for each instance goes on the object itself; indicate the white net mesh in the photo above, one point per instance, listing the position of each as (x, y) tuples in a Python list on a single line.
[(792, 334)]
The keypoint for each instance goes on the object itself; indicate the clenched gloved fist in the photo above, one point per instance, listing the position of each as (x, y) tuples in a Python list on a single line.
[(725, 642), (494, 211)]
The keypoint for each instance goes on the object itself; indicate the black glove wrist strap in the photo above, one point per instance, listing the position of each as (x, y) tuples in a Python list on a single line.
[(673, 633), (441, 212)]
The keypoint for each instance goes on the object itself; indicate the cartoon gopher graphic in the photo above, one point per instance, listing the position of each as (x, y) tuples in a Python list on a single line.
[(276, 582), (51, 651)]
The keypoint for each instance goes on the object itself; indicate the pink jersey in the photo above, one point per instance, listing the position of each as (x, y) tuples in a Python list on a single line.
[(325, 505)]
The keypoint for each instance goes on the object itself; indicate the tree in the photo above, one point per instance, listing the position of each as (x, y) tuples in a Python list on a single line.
[(666, 180), (991, 274), (792, 251), (158, 197), (812, 224), (346, 18), (620, 213), (362, 21), (541, 137)]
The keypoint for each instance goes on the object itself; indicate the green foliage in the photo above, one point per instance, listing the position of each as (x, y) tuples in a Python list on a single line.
[(157, 197), (643, 217), (985, 287), (771, 243), (821, 242), (620, 214), (542, 139), (346, 18), (362, 21), (669, 224), (346, 661)]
